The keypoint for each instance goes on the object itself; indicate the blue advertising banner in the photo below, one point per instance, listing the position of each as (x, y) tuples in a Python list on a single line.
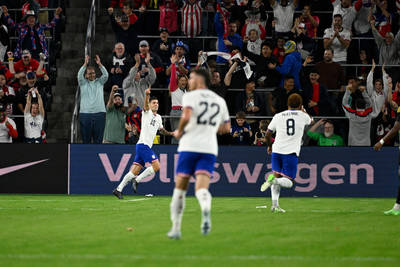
[(240, 171)]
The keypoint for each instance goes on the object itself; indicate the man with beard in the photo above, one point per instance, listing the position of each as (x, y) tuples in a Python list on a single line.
[(338, 38), (114, 132), (331, 73), (328, 137), (121, 63)]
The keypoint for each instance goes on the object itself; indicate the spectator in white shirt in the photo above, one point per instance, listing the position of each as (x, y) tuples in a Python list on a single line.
[(33, 117), (338, 39), (8, 130), (347, 11), (283, 15)]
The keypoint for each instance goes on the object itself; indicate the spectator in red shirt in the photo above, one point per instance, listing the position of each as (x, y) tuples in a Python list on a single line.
[(311, 22), (27, 64), (133, 122), (279, 51), (127, 8), (7, 95)]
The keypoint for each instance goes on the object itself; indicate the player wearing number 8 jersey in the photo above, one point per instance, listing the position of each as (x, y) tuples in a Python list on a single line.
[(289, 127), (204, 115)]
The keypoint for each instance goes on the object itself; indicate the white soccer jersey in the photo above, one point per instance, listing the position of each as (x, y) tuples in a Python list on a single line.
[(209, 111), (150, 125), (339, 50), (289, 127), (4, 131), (33, 125)]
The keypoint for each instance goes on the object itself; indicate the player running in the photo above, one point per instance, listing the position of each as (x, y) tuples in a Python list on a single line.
[(204, 114), (151, 123), (395, 130), (289, 127)]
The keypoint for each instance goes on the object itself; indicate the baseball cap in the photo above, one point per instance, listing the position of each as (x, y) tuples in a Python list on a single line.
[(117, 94), (28, 14), (143, 43), (164, 30), (26, 53)]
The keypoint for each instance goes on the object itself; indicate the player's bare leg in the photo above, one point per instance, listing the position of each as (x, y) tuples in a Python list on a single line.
[(276, 181), (131, 175), (177, 205), (204, 197)]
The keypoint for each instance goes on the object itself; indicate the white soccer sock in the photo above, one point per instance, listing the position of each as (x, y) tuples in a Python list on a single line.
[(127, 178), (284, 182), (275, 192), (176, 207), (148, 171), (204, 197), (396, 206)]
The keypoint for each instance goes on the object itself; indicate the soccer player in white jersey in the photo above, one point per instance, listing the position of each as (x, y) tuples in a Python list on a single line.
[(151, 123), (204, 115), (289, 127)]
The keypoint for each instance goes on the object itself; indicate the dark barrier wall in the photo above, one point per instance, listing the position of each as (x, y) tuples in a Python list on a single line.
[(32, 168), (329, 172)]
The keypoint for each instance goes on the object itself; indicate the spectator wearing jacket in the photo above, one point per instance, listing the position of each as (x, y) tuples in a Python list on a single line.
[(388, 46), (120, 65), (163, 47), (92, 107), (31, 34), (315, 96)]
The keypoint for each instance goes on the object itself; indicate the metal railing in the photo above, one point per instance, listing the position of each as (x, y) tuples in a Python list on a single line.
[(90, 37)]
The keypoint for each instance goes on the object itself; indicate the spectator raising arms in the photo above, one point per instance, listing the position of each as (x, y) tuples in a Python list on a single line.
[(345, 9), (8, 130), (92, 111), (379, 92), (33, 117), (283, 15), (31, 34), (229, 40), (388, 46), (328, 137)]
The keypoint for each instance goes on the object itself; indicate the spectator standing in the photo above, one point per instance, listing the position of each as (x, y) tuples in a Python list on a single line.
[(33, 117), (92, 107), (7, 95), (235, 77), (8, 129), (155, 61), (388, 46), (260, 136), (254, 31), (382, 17), (305, 44), (120, 65), (182, 63), (315, 96), (31, 34), (338, 38), (114, 131), (31, 82), (359, 118), (331, 73), (253, 42), (27, 64), (4, 40), (279, 50), (327, 137), (163, 47), (377, 91), (311, 22), (169, 15), (133, 121), (347, 11), (241, 131), (281, 95), (291, 65), (139, 80), (217, 86), (249, 101), (283, 16)]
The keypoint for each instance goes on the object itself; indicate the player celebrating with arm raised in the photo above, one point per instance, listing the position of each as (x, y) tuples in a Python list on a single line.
[(393, 132), (151, 123), (289, 127), (204, 115)]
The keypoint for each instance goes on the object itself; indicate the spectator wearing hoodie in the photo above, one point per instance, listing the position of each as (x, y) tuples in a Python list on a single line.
[(120, 65), (291, 64)]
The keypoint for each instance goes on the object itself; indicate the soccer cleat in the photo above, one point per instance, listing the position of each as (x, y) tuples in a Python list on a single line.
[(117, 194), (134, 185), (278, 209), (205, 224), (392, 212), (174, 235), (267, 183)]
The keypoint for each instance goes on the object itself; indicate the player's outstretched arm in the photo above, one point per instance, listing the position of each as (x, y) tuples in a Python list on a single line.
[(165, 132), (388, 136), (147, 99)]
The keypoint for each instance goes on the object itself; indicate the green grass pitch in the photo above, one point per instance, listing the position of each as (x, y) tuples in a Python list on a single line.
[(49, 230)]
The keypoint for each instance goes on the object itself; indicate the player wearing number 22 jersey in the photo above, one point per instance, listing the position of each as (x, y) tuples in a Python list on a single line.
[(289, 128), (204, 115)]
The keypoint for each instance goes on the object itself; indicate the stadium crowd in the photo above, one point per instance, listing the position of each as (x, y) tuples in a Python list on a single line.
[(263, 51), (29, 45)]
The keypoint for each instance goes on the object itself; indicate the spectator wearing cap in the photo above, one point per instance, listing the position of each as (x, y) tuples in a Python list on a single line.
[(338, 38), (177, 88), (140, 77), (182, 63), (283, 15), (229, 40), (163, 47), (155, 61), (315, 96), (121, 63), (33, 117), (114, 131), (27, 64), (92, 109), (125, 32), (8, 129), (291, 65), (31, 34), (7, 95), (133, 121)]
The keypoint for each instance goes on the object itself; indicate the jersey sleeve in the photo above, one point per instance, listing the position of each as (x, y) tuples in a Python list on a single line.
[(272, 124), (188, 101), (161, 124), (307, 119), (225, 113)]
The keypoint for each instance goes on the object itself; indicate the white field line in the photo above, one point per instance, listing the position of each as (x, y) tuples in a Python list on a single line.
[(195, 257), (137, 199)]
